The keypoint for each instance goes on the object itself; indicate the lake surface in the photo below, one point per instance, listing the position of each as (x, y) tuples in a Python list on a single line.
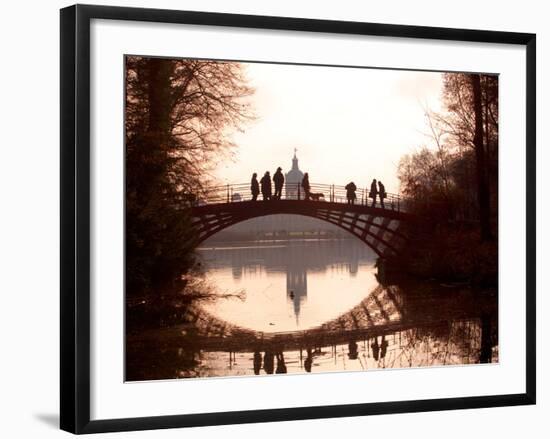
[(315, 306), (289, 285)]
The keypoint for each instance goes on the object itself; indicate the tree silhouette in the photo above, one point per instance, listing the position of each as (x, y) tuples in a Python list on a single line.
[(179, 117), (460, 175), (453, 186), (472, 123)]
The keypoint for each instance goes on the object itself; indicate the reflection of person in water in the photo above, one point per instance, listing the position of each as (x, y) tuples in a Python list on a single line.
[(352, 354), (281, 366), (268, 362), (257, 362), (309, 361), (375, 349), (383, 347)]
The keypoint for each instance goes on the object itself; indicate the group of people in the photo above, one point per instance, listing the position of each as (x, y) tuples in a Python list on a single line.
[(376, 190), (265, 188), (265, 185)]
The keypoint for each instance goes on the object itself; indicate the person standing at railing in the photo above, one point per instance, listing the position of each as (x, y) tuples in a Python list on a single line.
[(254, 187), (265, 184), (373, 192), (306, 186), (381, 193), (278, 180), (350, 192)]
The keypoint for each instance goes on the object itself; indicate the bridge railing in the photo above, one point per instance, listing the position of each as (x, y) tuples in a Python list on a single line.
[(234, 193)]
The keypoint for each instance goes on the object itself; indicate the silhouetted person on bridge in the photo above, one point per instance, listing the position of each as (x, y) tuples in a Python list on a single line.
[(254, 187), (306, 186), (373, 192), (278, 180), (265, 184), (281, 366), (381, 193), (257, 362), (268, 362), (350, 192)]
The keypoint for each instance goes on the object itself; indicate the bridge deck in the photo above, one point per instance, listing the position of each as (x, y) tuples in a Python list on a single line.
[(296, 207)]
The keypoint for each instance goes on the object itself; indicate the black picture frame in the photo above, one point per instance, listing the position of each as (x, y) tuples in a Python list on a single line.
[(75, 217)]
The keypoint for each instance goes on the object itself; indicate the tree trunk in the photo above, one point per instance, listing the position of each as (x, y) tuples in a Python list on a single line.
[(481, 161), (158, 138), (159, 97)]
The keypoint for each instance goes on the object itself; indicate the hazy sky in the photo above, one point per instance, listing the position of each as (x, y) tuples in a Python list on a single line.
[(347, 123)]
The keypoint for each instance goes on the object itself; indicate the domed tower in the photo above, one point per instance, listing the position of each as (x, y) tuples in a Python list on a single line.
[(293, 179)]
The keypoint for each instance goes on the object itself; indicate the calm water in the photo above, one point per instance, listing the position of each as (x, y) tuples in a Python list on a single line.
[(315, 306), (289, 285)]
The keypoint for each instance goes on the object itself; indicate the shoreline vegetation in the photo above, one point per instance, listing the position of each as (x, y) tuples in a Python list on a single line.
[(451, 189), (448, 254)]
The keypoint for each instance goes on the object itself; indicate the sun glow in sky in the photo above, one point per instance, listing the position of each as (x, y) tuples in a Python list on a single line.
[(348, 124)]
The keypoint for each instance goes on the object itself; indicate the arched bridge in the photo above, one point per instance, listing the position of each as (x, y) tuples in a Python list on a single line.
[(375, 223)]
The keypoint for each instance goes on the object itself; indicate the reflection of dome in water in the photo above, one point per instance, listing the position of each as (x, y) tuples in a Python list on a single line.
[(293, 178), (237, 271), (296, 287)]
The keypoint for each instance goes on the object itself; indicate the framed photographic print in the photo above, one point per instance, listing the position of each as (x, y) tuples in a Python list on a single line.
[(268, 218)]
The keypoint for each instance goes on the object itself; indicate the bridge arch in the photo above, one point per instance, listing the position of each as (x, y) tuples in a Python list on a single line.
[(378, 228)]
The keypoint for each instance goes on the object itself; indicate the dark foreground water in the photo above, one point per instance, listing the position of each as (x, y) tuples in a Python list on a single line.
[(314, 306)]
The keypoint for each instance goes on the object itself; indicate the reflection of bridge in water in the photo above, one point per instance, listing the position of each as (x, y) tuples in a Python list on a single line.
[(386, 311)]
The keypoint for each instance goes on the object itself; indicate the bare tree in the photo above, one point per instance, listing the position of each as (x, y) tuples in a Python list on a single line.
[(471, 122)]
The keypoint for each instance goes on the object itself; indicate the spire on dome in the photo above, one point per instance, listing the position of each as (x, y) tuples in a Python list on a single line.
[(295, 161)]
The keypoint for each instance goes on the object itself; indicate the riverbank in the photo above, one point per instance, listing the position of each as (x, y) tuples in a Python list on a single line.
[(449, 254)]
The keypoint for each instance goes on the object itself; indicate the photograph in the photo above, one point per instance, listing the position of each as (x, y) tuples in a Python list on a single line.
[(297, 218)]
